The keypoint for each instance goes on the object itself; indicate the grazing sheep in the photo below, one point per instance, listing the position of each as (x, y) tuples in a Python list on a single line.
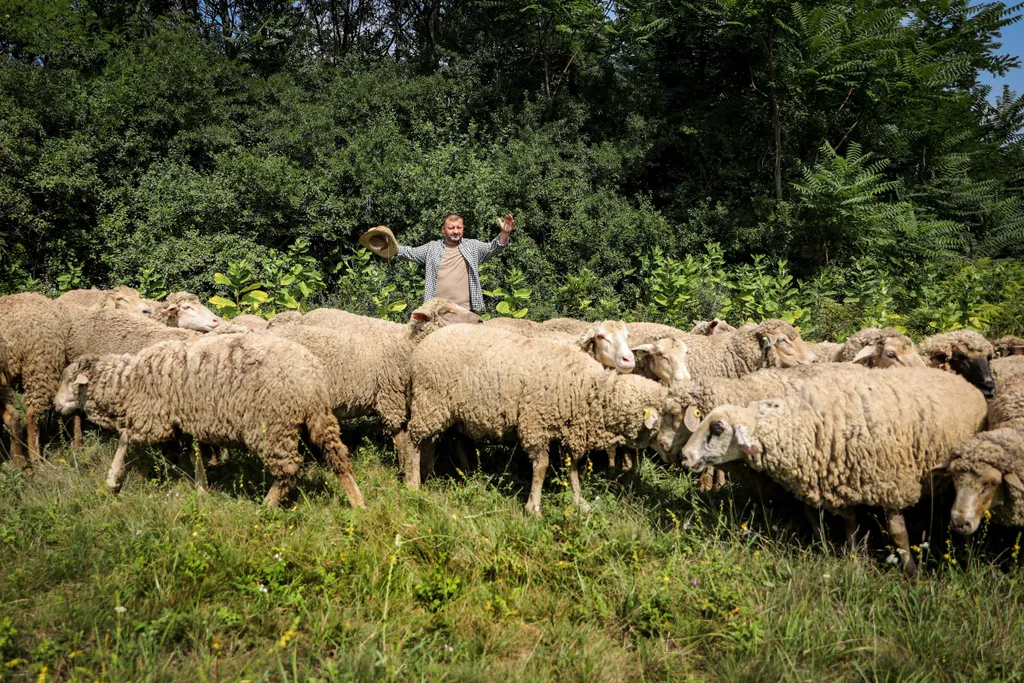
[(368, 363), (1007, 408), (249, 321), (1008, 346), (122, 298), (879, 348), (825, 352), (185, 310), (500, 384), (606, 341), (35, 330), (283, 318), (1005, 369), (964, 352), (520, 325), (251, 391), (873, 443), (664, 361), (988, 473), (709, 327), (773, 343), (647, 333)]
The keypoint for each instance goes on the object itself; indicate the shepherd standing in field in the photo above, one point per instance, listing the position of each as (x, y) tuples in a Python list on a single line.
[(453, 263)]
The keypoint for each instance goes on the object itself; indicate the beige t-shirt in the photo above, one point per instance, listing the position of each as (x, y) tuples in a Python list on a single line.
[(453, 277)]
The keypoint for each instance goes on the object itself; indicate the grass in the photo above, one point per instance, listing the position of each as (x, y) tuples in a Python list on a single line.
[(452, 582)]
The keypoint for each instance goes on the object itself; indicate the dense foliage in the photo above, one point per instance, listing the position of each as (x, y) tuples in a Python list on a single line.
[(648, 149)]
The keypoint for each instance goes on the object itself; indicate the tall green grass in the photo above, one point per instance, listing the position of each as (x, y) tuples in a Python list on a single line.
[(453, 582)]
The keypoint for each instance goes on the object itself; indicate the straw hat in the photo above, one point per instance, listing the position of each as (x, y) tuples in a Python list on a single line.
[(380, 240)]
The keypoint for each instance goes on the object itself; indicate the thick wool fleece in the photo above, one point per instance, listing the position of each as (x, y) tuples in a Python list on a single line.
[(284, 318), (94, 298), (35, 330), (162, 315), (520, 325), (1006, 409), (871, 444), (99, 332), (873, 336), (567, 325), (827, 352), (941, 345), (1006, 369), (249, 321), (500, 384), (250, 391), (725, 355), (1009, 346), (1002, 449), (334, 317), (648, 333)]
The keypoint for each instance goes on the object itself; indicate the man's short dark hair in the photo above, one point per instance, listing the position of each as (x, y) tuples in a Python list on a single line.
[(457, 215)]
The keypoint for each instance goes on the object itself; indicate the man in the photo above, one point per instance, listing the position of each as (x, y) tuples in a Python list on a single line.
[(453, 264)]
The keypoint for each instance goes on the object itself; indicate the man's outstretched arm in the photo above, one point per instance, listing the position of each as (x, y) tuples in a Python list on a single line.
[(501, 241), (414, 254)]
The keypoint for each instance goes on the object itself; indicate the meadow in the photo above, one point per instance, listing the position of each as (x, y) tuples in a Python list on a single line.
[(453, 582)]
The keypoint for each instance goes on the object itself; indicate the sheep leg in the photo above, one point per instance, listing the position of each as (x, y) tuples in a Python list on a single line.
[(198, 468), (539, 456), (719, 479), (12, 421), (280, 489), (414, 455), (898, 532), (850, 526), (77, 438), (32, 420), (574, 481), (116, 473), (707, 479)]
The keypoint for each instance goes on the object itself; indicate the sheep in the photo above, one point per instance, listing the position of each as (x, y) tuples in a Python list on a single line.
[(873, 443), (825, 352), (35, 330), (773, 343), (647, 333), (988, 474), (122, 298), (368, 364), (253, 391), (568, 325), (709, 327), (1006, 409), (283, 318), (879, 348), (606, 341), (516, 325), (1008, 346), (964, 352), (1005, 369), (500, 383), (185, 310), (249, 321), (664, 361)]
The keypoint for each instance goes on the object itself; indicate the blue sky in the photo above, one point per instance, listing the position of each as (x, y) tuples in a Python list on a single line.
[(1013, 43)]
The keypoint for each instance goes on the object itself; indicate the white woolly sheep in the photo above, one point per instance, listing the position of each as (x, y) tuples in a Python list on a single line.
[(35, 330), (1005, 369), (773, 343), (185, 310), (249, 321), (501, 384), (872, 444), (988, 473), (567, 325), (875, 347), (964, 352), (825, 352), (368, 363), (122, 298), (283, 318), (1006, 409), (251, 391), (709, 327), (606, 341)]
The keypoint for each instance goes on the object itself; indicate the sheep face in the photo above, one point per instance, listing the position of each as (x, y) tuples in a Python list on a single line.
[(191, 315), (978, 489), (726, 434), (711, 327), (664, 428), (666, 360), (608, 343), (73, 384), (789, 350), (888, 353), (128, 300), (974, 368), (438, 313)]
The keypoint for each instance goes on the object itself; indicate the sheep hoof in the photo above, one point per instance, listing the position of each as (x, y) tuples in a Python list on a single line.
[(584, 506), (533, 509)]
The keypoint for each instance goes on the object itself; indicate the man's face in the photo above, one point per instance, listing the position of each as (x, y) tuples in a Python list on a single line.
[(452, 230)]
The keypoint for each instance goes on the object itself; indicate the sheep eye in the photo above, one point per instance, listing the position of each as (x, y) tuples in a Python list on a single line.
[(890, 354), (717, 428)]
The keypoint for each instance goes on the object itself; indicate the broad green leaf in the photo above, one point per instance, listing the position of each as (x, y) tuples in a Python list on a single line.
[(503, 308)]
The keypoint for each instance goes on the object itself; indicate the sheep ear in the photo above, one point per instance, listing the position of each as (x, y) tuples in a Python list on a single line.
[(864, 355), (941, 468), (745, 441), (713, 324), (692, 418), (81, 380), (1014, 481), (960, 350), (587, 340), (770, 340), (645, 348), (651, 419), (171, 308), (421, 315)]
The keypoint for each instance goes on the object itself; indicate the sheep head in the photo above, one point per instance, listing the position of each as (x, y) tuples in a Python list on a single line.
[(128, 300), (711, 327), (666, 360), (781, 340), (185, 310), (964, 352), (984, 477), (608, 343), (888, 352), (438, 313), (73, 386), (728, 433)]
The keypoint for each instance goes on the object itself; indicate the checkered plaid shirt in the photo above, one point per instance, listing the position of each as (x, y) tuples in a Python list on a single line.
[(474, 251)]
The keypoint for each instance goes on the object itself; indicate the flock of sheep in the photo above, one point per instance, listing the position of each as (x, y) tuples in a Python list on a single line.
[(870, 422)]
